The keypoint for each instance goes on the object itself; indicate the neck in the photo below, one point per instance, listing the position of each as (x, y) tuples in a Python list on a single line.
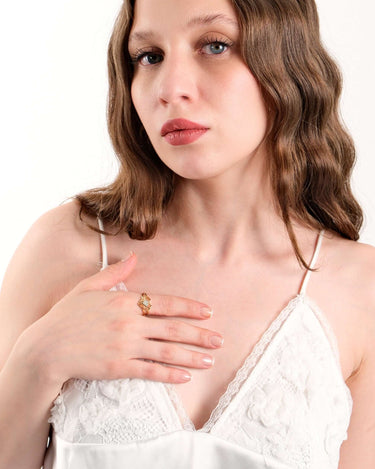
[(223, 218)]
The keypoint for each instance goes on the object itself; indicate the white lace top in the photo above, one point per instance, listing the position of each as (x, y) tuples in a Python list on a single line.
[(287, 407)]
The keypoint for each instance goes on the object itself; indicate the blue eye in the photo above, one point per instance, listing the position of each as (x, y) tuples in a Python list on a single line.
[(209, 46), (217, 47)]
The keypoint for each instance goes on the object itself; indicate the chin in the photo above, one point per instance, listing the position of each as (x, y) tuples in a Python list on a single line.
[(195, 164), (197, 174)]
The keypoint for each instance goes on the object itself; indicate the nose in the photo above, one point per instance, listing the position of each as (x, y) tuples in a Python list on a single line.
[(177, 80)]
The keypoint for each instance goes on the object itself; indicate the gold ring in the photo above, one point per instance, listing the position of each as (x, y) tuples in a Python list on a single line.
[(144, 303)]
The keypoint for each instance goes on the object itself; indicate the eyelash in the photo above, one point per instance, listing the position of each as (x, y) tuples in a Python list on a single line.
[(140, 53)]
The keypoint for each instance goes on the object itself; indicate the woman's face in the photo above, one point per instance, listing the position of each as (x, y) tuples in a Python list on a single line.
[(188, 66)]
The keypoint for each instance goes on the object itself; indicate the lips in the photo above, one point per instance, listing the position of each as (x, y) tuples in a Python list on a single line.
[(180, 124), (182, 132)]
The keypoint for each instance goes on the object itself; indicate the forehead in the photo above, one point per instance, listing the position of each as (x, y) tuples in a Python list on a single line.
[(155, 17)]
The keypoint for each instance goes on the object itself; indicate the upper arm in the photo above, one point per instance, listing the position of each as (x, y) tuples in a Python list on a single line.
[(359, 449), (45, 266)]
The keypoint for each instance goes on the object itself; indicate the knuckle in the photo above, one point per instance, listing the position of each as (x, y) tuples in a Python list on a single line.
[(150, 371), (166, 304), (131, 327), (173, 329), (194, 308), (121, 348), (204, 338), (195, 360), (124, 326), (118, 325), (158, 372), (112, 368), (167, 353)]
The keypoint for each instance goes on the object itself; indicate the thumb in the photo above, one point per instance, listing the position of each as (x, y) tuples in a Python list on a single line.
[(111, 275)]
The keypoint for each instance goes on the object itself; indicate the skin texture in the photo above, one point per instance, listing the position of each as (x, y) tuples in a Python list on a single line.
[(185, 77), (220, 243), (223, 210)]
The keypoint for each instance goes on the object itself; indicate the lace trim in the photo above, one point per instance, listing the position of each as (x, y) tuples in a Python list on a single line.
[(185, 421), (244, 372), (294, 409), (241, 376)]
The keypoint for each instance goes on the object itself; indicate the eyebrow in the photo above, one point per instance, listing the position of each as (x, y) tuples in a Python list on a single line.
[(201, 20)]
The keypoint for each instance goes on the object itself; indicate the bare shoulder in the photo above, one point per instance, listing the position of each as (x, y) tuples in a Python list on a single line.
[(355, 264), (55, 254), (343, 288), (59, 246), (351, 281), (361, 258)]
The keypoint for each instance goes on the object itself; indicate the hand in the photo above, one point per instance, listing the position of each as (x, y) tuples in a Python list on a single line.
[(93, 333)]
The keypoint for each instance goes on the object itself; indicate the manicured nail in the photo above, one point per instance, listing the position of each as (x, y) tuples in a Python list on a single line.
[(216, 341), (184, 377), (208, 361), (206, 312)]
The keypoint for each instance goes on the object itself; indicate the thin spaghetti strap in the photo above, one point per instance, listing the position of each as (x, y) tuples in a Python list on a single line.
[(312, 263), (103, 245)]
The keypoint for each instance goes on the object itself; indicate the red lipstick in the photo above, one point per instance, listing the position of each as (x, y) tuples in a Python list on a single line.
[(182, 131)]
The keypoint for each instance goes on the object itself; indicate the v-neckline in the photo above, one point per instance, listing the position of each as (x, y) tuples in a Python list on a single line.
[(251, 362), (242, 376)]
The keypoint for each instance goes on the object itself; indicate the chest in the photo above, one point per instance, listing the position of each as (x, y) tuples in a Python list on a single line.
[(246, 299), (245, 305)]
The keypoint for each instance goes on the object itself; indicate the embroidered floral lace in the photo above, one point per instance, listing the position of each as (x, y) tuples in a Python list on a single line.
[(288, 400)]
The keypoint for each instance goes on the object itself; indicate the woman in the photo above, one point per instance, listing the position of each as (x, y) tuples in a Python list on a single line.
[(234, 196)]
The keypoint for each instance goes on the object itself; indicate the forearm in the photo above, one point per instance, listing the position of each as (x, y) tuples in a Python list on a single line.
[(25, 401)]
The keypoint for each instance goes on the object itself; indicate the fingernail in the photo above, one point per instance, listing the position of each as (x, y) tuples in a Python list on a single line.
[(216, 341), (127, 258), (206, 312), (208, 361), (185, 377)]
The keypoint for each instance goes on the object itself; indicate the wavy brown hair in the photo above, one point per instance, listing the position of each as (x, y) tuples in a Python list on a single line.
[(311, 154)]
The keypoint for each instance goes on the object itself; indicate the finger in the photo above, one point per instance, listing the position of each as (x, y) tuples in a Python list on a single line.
[(179, 331), (109, 276), (174, 355), (168, 305), (157, 372)]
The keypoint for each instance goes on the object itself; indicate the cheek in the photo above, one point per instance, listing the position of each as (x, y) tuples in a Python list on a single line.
[(134, 93), (243, 98), (139, 101)]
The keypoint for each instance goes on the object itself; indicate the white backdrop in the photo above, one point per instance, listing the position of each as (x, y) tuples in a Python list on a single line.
[(53, 91)]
